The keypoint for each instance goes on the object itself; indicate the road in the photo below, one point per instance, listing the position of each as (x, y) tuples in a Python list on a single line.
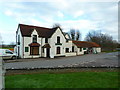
[(89, 60)]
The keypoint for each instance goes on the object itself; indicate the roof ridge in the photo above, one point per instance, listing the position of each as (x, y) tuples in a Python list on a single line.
[(26, 30), (36, 26)]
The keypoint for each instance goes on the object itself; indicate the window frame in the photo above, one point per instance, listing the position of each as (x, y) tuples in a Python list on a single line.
[(84, 48), (34, 38), (46, 40), (67, 50), (58, 39), (26, 49), (58, 50), (80, 49), (73, 49)]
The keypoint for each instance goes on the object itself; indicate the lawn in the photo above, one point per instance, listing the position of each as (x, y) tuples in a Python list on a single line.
[(63, 80)]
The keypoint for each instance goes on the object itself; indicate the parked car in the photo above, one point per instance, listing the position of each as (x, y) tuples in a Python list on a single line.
[(7, 54)]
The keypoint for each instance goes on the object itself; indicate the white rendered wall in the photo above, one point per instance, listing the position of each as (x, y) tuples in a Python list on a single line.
[(98, 49), (69, 45), (80, 52), (67, 36), (70, 54), (21, 44), (27, 41), (53, 40)]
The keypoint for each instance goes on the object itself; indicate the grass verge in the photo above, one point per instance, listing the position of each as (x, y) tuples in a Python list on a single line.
[(64, 80)]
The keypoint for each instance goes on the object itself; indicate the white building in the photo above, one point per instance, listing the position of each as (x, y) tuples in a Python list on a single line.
[(35, 42), (84, 47)]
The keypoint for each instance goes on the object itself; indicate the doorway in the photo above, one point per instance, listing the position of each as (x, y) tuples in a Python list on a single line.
[(47, 52)]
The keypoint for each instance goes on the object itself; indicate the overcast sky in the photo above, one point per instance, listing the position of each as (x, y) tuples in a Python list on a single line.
[(85, 16)]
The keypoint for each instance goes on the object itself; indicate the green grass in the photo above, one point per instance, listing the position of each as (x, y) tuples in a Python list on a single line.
[(64, 80), (6, 48)]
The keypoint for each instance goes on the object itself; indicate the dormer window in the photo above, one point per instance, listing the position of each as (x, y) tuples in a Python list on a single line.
[(34, 38), (58, 39), (46, 40)]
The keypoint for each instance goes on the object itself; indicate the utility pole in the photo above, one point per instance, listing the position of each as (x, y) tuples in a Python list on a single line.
[(2, 69)]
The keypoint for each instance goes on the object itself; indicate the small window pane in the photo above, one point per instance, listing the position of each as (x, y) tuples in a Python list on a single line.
[(46, 40), (84, 48), (26, 49), (67, 49), (34, 38), (72, 48), (58, 50), (80, 49), (58, 39)]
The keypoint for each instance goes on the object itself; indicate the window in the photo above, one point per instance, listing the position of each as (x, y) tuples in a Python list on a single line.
[(58, 50), (67, 40), (67, 50), (18, 39), (84, 48), (26, 49), (72, 48), (34, 50), (80, 49), (46, 40), (34, 38), (58, 39), (8, 52)]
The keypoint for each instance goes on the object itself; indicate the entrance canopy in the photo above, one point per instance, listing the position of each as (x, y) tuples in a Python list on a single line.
[(46, 46), (34, 44)]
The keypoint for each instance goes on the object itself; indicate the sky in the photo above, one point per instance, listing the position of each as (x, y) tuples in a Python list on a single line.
[(72, 14)]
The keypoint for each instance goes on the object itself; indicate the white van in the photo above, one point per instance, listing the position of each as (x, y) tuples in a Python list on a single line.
[(7, 54)]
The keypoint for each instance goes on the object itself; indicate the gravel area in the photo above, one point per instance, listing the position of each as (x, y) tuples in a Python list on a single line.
[(89, 60)]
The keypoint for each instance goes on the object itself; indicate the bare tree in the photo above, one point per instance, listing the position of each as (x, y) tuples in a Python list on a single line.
[(72, 34), (75, 34), (104, 40), (56, 25), (78, 35)]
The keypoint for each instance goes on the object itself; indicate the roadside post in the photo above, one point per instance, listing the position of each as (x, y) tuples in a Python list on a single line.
[(2, 69)]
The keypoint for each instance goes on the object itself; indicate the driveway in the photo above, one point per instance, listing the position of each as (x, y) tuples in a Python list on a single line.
[(89, 60)]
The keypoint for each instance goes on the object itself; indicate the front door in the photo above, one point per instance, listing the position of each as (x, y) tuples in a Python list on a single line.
[(34, 50), (47, 52)]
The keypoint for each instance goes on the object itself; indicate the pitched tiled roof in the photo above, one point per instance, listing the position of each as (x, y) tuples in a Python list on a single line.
[(34, 44), (46, 46), (85, 44), (27, 30)]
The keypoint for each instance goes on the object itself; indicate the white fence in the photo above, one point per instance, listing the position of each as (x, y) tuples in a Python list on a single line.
[(70, 54)]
